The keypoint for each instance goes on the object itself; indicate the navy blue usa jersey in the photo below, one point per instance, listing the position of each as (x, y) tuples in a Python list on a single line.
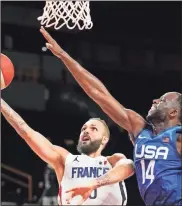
[(159, 167)]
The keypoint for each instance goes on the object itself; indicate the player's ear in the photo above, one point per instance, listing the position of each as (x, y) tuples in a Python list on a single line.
[(173, 113), (105, 140)]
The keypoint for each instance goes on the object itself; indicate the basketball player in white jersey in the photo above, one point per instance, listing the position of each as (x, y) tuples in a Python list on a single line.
[(75, 170)]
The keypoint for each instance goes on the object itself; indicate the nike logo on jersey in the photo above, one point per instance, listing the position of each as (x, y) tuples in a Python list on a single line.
[(151, 152), (92, 172)]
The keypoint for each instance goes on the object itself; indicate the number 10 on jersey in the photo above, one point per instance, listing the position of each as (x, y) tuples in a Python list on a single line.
[(148, 173)]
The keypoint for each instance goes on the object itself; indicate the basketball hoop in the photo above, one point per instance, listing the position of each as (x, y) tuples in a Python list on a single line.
[(69, 13)]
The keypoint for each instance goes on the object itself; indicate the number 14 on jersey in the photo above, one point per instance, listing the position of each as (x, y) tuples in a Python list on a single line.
[(147, 172)]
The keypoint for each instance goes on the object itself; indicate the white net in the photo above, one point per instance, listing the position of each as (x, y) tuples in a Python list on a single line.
[(69, 13)]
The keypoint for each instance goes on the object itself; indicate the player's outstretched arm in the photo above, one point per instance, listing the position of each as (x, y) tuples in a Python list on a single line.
[(127, 119), (123, 168), (38, 143)]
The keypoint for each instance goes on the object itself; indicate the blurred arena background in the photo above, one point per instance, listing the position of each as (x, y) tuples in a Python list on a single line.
[(133, 47)]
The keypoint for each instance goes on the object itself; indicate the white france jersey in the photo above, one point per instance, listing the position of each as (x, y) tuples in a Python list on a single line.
[(81, 168)]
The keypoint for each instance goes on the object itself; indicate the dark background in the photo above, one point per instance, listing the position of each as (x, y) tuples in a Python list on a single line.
[(146, 37)]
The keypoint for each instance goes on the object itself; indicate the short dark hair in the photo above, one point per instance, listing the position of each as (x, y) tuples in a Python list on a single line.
[(180, 105)]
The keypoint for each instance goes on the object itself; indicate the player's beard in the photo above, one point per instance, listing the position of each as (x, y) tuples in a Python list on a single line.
[(157, 116), (89, 148)]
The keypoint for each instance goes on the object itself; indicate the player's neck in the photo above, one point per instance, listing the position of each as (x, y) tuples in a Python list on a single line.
[(158, 127), (95, 154)]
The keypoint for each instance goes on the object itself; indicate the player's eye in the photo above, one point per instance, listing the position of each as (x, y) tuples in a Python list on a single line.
[(94, 128), (83, 129)]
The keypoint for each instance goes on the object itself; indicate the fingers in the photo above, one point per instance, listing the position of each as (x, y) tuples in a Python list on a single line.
[(69, 197), (71, 190), (49, 46), (81, 202), (46, 35), (76, 200), (84, 198)]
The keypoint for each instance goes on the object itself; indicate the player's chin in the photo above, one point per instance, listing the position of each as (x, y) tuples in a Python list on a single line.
[(151, 111), (150, 114)]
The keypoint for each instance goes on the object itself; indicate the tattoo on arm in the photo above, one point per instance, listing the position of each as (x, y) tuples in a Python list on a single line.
[(14, 119), (104, 180)]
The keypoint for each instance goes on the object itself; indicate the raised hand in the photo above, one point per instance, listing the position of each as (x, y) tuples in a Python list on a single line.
[(51, 44), (83, 191)]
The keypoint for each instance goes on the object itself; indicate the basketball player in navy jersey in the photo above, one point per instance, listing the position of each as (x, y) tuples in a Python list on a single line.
[(157, 140), (72, 170)]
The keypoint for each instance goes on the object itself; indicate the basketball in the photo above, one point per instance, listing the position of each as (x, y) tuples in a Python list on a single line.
[(7, 71)]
